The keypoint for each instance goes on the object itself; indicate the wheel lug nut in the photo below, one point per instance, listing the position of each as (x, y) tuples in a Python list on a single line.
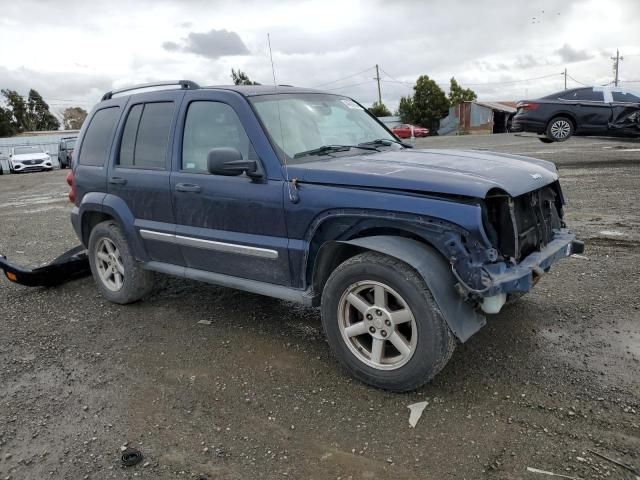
[(372, 329), (383, 333), (369, 316), (387, 322), (378, 312)]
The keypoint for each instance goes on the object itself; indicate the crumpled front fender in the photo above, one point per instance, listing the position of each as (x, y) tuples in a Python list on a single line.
[(463, 319)]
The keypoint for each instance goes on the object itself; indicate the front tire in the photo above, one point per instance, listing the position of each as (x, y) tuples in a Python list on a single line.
[(119, 277), (383, 324), (560, 129)]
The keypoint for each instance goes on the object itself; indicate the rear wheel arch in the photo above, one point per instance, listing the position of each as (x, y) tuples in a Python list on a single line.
[(569, 116), (89, 220)]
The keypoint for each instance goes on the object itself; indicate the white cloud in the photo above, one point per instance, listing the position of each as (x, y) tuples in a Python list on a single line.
[(66, 51)]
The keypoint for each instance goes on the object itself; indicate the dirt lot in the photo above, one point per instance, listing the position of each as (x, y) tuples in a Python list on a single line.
[(257, 394)]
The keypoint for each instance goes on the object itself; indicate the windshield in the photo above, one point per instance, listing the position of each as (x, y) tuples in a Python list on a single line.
[(70, 143), (26, 150), (300, 123)]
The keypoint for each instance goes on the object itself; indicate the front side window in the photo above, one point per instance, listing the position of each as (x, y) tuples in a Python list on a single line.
[(298, 123), (212, 125), (146, 136), (97, 140)]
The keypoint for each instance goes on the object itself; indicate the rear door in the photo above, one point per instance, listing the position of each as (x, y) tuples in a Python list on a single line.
[(232, 225), (141, 168), (591, 111)]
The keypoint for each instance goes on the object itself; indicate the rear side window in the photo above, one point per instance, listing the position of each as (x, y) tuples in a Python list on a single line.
[(97, 140), (584, 94), (146, 136), (625, 97)]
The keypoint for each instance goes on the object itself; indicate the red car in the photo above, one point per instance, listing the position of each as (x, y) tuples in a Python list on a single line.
[(404, 131)]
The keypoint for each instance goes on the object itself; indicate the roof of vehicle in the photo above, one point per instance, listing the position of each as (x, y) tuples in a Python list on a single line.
[(253, 90), (246, 90)]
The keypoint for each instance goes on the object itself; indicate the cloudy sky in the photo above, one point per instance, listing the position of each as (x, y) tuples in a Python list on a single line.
[(72, 51)]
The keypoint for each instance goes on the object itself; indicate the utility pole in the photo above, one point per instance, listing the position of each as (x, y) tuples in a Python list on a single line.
[(616, 65), (565, 78), (377, 77)]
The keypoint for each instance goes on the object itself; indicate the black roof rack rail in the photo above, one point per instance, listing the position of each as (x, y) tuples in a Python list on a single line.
[(185, 84)]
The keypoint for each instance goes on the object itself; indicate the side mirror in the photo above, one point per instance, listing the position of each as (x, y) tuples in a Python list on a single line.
[(228, 161)]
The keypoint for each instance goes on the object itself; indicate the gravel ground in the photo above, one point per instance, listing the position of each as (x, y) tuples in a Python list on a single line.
[(257, 394)]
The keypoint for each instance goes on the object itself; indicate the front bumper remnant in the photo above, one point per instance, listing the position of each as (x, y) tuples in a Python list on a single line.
[(68, 266), (522, 276)]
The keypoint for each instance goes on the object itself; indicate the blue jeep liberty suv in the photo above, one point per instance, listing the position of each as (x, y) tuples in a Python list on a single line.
[(307, 197)]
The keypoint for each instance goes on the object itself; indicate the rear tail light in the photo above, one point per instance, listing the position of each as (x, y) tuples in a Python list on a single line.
[(72, 183), (529, 106)]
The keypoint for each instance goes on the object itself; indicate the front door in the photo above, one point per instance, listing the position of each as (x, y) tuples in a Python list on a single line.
[(233, 225)]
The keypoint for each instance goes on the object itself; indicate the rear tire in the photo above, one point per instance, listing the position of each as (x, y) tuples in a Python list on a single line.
[(560, 129), (382, 323), (119, 277)]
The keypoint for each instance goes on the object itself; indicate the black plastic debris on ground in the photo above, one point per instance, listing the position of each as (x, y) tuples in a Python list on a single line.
[(131, 457)]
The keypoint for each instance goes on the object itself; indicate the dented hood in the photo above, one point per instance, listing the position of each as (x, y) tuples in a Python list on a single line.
[(456, 172)]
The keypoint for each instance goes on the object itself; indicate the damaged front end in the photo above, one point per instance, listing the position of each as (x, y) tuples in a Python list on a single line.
[(626, 118), (528, 235)]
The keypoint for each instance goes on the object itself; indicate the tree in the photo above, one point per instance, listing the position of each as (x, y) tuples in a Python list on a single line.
[(379, 110), (17, 109), (30, 115), (73, 118), (241, 78), (40, 116), (405, 110), (430, 104), (457, 94), (7, 129)]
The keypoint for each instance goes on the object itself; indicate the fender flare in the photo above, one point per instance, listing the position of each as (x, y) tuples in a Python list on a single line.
[(463, 319), (117, 209)]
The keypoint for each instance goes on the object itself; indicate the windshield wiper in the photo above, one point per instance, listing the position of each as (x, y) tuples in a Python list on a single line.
[(332, 148), (386, 142)]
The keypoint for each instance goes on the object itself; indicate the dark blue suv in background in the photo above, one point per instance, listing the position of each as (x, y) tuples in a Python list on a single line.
[(307, 197)]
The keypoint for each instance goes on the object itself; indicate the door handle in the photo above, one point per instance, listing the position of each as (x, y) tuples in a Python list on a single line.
[(117, 181), (188, 187)]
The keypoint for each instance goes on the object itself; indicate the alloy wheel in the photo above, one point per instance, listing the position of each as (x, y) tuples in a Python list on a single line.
[(377, 325), (109, 264), (560, 129)]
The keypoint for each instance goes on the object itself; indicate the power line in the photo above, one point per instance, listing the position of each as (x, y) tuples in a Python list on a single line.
[(351, 85), (577, 81), (505, 82), (344, 78)]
